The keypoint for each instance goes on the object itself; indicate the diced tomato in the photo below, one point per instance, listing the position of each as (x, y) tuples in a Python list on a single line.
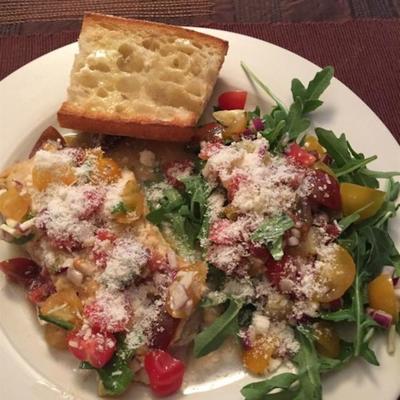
[(106, 234), (163, 331), (208, 149), (232, 100), (174, 170), (67, 243), (260, 252), (100, 321), (95, 348), (333, 231), (221, 232), (234, 185), (157, 262), (40, 289), (325, 190), (103, 244), (93, 201), (165, 372), (20, 270), (300, 156), (277, 270)]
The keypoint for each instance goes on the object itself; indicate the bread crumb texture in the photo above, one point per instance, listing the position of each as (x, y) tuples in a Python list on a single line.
[(137, 70)]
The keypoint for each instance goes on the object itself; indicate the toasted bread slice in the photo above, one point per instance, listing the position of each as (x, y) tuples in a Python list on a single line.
[(140, 79)]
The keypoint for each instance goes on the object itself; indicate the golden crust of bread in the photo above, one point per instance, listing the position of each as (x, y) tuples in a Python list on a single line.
[(71, 117), (134, 24), (178, 127)]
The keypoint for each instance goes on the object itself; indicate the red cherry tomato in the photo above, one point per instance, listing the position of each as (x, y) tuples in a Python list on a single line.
[(105, 234), (221, 233), (174, 170), (95, 348), (209, 149), (234, 184), (101, 321), (163, 331), (165, 372), (325, 190), (277, 270), (93, 200), (300, 156), (20, 270), (40, 289), (233, 100), (100, 249)]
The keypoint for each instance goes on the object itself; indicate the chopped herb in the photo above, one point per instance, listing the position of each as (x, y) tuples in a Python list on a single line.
[(57, 321), (270, 233), (120, 208)]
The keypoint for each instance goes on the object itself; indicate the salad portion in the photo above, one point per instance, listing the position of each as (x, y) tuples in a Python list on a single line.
[(263, 231)]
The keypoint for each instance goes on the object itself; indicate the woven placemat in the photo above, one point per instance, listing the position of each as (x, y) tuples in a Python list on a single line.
[(365, 55)]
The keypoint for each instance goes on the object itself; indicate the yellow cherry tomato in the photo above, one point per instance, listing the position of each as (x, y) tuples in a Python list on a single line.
[(43, 177), (257, 359), (106, 171), (336, 275), (327, 341), (64, 305), (311, 144), (354, 197), (13, 205), (381, 295), (234, 122)]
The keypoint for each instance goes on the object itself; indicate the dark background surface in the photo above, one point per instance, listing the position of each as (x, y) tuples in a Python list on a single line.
[(360, 38)]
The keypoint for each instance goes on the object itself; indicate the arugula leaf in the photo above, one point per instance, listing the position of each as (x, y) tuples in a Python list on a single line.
[(348, 165), (327, 364), (119, 208), (171, 201), (116, 376), (310, 96), (345, 222), (260, 390), (295, 121), (211, 338), (57, 322), (270, 233), (185, 213)]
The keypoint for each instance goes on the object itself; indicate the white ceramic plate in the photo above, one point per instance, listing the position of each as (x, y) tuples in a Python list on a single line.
[(29, 99)]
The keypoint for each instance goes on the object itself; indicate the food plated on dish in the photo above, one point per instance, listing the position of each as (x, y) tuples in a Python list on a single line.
[(258, 230)]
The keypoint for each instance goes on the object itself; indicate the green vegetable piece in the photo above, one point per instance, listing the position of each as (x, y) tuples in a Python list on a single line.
[(260, 390), (23, 239), (310, 96), (116, 376), (211, 338), (56, 321), (119, 208), (270, 234)]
